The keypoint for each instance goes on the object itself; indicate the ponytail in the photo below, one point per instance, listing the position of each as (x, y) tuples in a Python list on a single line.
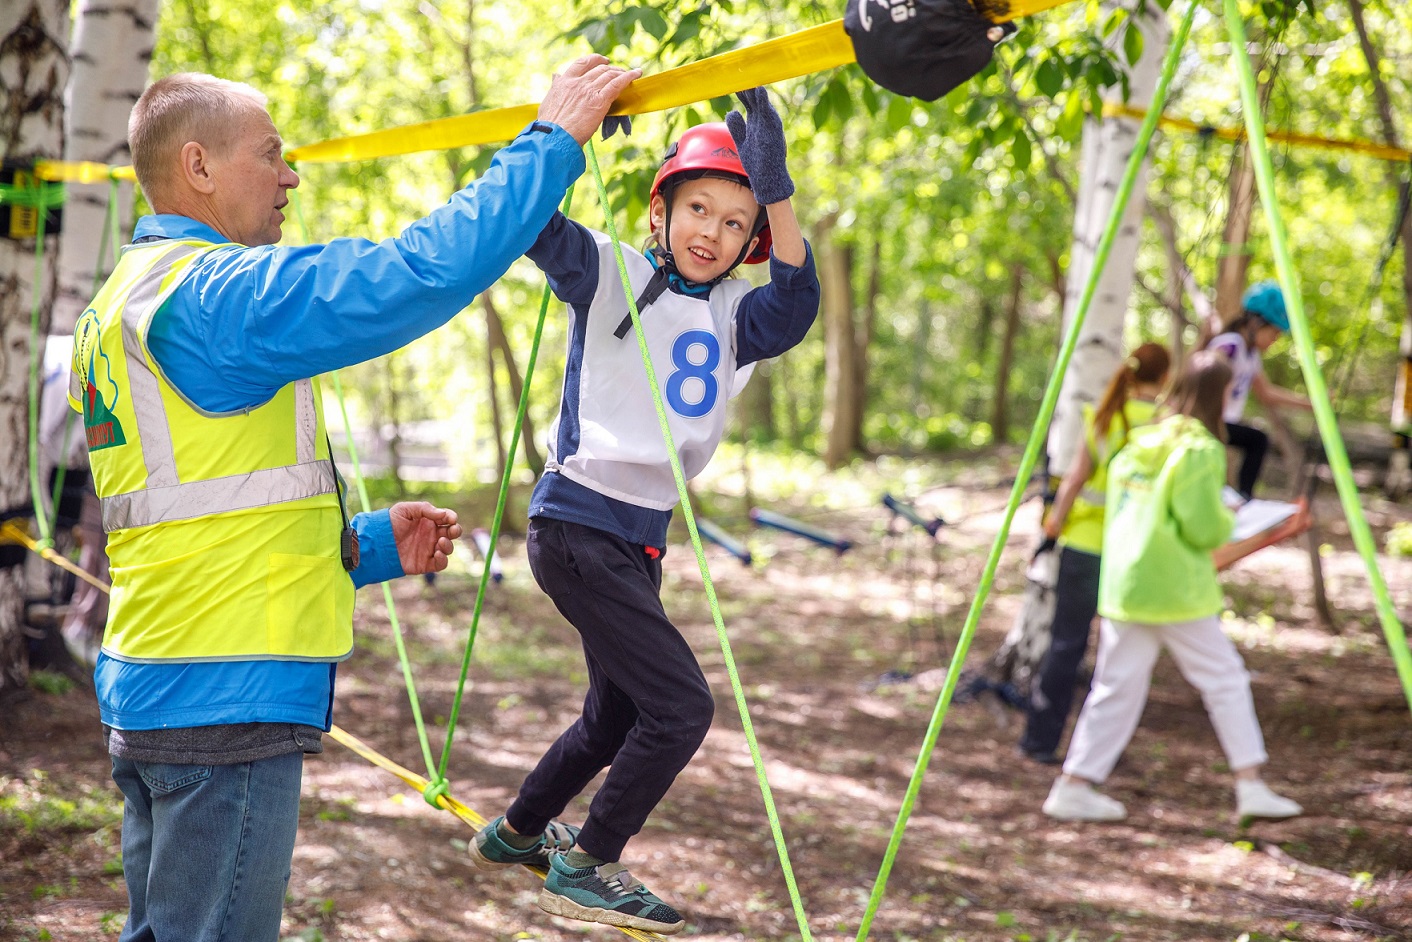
[(1147, 364)]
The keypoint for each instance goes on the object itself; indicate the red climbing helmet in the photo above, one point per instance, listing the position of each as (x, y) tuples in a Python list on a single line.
[(708, 150)]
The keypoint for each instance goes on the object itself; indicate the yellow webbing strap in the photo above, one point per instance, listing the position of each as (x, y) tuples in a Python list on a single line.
[(12, 532), (348, 740), (80, 171), (1371, 148), (801, 53)]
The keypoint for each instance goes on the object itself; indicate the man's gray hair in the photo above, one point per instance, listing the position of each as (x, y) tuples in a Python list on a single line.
[(187, 106)]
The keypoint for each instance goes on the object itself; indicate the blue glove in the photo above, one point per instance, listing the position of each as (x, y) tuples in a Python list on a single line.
[(761, 147), (615, 123)]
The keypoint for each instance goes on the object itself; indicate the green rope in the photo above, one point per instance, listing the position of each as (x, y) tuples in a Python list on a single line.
[(44, 201), (690, 519), (1324, 416), (39, 195), (1030, 458), (500, 502), (366, 504)]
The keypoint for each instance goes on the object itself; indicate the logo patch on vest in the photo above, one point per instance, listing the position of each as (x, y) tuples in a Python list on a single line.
[(100, 394)]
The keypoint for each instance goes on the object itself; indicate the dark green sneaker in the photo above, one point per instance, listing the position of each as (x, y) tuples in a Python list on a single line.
[(490, 852), (605, 894)]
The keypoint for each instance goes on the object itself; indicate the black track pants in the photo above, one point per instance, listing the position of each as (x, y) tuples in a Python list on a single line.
[(648, 706)]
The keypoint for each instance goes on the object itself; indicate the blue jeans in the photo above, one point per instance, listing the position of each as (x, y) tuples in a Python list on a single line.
[(207, 848)]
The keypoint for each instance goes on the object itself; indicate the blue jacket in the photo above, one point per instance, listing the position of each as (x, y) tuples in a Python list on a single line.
[(246, 322)]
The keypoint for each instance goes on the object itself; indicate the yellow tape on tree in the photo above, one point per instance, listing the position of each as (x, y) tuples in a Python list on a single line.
[(1370, 148), (80, 171)]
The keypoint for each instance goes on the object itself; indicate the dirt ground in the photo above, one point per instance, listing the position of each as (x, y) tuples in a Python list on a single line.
[(812, 633)]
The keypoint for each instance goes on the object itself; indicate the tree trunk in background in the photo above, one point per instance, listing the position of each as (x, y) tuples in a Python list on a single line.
[(835, 264), (1176, 282), (497, 425), (1000, 416), (1107, 145), (867, 329), (752, 412), (33, 71), (1401, 418), (111, 51), (1235, 256), (495, 337)]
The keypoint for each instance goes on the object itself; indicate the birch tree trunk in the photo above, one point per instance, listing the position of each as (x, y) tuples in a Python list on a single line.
[(1107, 146), (33, 69), (111, 51)]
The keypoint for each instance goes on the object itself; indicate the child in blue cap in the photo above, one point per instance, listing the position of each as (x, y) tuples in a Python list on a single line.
[(1261, 321)]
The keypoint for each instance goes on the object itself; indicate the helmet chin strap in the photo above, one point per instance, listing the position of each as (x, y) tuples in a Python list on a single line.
[(661, 278)]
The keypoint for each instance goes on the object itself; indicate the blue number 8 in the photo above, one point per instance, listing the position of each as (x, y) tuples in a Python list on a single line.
[(687, 369)]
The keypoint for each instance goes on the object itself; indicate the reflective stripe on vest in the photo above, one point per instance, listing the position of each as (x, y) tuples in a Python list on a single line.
[(223, 527), (165, 499)]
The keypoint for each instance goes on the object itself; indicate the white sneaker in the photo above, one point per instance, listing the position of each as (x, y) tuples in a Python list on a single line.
[(1079, 801), (1254, 799)]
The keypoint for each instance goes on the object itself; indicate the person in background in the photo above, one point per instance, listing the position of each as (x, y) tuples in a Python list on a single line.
[(1158, 589), (1259, 324), (233, 559), (1075, 522)]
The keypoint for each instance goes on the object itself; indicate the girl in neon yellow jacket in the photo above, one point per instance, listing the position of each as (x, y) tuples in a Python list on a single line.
[(1158, 589)]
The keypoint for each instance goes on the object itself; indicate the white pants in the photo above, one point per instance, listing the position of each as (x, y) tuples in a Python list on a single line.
[(1126, 655)]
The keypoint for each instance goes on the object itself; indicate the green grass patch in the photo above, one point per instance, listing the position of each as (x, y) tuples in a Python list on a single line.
[(40, 804)]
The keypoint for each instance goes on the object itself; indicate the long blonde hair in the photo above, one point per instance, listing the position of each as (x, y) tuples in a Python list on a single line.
[(1200, 391)]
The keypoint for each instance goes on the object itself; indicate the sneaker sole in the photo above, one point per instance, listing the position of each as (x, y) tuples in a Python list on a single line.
[(1061, 815), (557, 905), (482, 862)]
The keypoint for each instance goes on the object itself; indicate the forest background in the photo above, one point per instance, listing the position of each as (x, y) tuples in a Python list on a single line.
[(943, 230), (943, 233)]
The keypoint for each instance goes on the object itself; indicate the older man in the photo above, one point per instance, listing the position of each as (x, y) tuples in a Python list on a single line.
[(233, 559)]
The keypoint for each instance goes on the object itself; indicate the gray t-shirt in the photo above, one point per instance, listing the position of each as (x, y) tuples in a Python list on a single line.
[(229, 744)]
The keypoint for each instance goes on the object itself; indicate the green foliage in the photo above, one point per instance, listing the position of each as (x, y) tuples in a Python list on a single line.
[(1399, 540), (51, 682), (947, 200)]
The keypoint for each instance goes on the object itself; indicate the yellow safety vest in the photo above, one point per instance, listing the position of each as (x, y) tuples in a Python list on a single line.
[(223, 529), (1083, 528)]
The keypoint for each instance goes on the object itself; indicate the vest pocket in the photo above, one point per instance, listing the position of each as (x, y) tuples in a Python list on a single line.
[(302, 610)]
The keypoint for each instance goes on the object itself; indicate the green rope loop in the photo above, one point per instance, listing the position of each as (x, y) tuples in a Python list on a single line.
[(434, 790), (39, 195), (1028, 462), (690, 518)]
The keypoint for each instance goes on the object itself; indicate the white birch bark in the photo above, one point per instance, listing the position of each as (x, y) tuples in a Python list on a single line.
[(1107, 146), (111, 51), (33, 70)]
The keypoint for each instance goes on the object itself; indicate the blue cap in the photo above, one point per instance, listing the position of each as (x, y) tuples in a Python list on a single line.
[(1266, 301)]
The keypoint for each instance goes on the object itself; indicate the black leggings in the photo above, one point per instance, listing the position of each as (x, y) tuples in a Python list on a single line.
[(1253, 444)]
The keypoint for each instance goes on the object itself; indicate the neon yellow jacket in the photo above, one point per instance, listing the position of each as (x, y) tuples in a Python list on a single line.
[(1083, 527), (1165, 516)]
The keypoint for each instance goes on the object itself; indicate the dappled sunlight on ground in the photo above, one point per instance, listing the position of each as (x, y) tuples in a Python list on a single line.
[(813, 633)]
